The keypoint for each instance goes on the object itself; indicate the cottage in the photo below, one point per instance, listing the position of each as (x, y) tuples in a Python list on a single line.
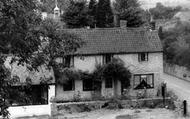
[(140, 49), (37, 96)]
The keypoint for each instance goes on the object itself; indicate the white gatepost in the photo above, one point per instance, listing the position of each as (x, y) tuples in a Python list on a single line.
[(51, 93)]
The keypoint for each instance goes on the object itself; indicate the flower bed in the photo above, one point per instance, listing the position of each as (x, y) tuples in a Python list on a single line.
[(74, 107)]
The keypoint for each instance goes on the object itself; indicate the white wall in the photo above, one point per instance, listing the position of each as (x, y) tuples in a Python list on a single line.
[(154, 63), (87, 63), (19, 111), (68, 95)]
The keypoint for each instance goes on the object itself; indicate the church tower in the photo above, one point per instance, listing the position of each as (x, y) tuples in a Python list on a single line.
[(56, 11)]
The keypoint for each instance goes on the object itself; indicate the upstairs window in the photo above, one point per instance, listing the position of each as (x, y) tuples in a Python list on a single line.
[(69, 85), (68, 61), (107, 58), (143, 57), (142, 81)]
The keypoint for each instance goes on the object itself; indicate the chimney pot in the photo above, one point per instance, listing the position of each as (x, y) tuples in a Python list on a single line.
[(116, 20)]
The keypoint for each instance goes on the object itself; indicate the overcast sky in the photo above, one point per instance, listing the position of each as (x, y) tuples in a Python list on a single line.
[(152, 3)]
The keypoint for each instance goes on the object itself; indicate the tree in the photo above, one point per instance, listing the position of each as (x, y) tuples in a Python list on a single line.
[(76, 15), (18, 36), (130, 11), (30, 40), (55, 43), (163, 12), (104, 15), (49, 5), (92, 13)]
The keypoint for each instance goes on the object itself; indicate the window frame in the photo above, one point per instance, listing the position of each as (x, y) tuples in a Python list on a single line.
[(72, 88), (90, 83), (140, 80), (108, 85), (68, 61), (145, 58), (106, 57)]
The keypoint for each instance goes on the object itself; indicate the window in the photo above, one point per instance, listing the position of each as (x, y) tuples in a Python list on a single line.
[(68, 61), (69, 85), (143, 81), (108, 83), (24, 95), (87, 85), (107, 58), (143, 57)]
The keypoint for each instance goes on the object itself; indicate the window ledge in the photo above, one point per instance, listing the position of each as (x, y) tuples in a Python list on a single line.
[(143, 88)]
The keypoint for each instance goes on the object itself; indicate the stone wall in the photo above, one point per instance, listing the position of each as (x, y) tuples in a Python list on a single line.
[(177, 71), (63, 108)]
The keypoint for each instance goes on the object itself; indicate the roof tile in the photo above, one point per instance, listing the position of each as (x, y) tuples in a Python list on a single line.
[(117, 40)]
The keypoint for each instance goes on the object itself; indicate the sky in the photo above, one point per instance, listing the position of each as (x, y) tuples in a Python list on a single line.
[(146, 4), (151, 3)]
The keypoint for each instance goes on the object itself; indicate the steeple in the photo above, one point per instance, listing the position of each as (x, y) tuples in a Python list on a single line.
[(56, 11), (152, 22)]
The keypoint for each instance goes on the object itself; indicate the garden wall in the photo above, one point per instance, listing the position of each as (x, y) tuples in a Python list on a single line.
[(177, 71), (63, 108)]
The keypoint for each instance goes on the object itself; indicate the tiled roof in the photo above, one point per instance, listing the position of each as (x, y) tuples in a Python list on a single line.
[(36, 77), (117, 40)]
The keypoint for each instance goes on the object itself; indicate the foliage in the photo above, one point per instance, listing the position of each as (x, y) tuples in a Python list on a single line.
[(49, 5), (4, 90), (116, 70), (68, 74), (104, 15), (92, 13), (55, 43), (19, 36), (19, 32), (176, 44), (113, 103), (77, 96), (30, 40), (164, 12), (130, 11), (76, 14)]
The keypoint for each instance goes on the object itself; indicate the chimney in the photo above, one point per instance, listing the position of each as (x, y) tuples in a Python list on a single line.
[(152, 24), (116, 20)]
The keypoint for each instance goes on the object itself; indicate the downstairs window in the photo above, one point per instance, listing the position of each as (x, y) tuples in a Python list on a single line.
[(69, 85), (142, 81)]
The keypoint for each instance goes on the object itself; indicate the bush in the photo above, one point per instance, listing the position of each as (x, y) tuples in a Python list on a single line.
[(113, 103)]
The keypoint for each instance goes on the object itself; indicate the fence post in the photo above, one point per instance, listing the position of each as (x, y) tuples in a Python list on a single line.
[(185, 108), (164, 93)]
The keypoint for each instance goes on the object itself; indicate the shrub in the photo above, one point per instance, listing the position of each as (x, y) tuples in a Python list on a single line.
[(113, 103), (116, 70)]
